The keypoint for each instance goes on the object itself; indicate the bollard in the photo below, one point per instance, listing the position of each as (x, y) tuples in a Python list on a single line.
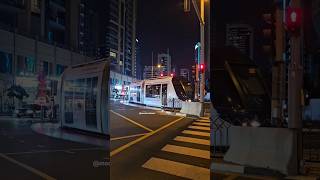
[(173, 105)]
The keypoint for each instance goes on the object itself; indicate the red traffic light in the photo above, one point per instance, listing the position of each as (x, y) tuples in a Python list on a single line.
[(202, 67), (293, 19)]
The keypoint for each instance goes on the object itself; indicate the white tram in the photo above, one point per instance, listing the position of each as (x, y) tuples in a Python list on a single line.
[(167, 92), (83, 97)]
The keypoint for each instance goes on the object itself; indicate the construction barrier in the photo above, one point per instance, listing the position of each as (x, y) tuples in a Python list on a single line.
[(270, 148)]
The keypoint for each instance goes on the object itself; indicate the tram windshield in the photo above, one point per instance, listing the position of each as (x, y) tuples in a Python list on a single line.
[(183, 89)]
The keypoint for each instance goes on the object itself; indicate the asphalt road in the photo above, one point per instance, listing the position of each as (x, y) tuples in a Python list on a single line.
[(158, 149), (142, 142), (25, 154)]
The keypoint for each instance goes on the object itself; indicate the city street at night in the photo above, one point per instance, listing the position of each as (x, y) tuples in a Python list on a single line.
[(150, 144), (160, 90)]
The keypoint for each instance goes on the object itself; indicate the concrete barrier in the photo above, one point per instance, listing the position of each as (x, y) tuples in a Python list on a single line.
[(270, 148), (191, 108)]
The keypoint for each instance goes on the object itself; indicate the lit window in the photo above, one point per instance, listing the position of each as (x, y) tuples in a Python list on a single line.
[(113, 54)]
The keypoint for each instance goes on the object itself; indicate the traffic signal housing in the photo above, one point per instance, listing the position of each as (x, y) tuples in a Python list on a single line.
[(268, 34), (202, 68), (293, 20)]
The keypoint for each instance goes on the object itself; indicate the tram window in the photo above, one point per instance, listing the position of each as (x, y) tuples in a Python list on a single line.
[(91, 102), (153, 91), (68, 105), (78, 100)]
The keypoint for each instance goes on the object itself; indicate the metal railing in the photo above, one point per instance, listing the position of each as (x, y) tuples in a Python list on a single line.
[(219, 134), (311, 144)]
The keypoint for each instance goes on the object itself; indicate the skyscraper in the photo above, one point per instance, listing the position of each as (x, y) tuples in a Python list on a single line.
[(185, 73), (120, 36), (164, 59)]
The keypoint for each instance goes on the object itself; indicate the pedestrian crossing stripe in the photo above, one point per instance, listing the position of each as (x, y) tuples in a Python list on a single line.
[(192, 140), (187, 151), (177, 169), (201, 124), (197, 133), (200, 128), (204, 121)]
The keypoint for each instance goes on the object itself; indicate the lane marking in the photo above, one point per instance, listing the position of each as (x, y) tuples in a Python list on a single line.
[(125, 137), (177, 169), (205, 134), (192, 140), (205, 121), (122, 109), (187, 151), (147, 113), (133, 122), (29, 168), (53, 151), (69, 152), (116, 151), (201, 124), (200, 128)]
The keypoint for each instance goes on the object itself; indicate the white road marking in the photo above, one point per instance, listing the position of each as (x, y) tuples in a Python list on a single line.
[(200, 128), (69, 152), (177, 169), (192, 140), (187, 151), (205, 134), (147, 113)]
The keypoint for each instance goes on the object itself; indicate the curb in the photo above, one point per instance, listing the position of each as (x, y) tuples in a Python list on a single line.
[(254, 171)]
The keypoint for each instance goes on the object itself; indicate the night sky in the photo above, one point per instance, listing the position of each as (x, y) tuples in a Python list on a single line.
[(164, 24)]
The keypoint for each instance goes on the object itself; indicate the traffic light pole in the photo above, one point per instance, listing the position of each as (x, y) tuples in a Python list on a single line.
[(202, 49), (201, 16), (202, 72), (295, 89), (278, 71), (196, 90)]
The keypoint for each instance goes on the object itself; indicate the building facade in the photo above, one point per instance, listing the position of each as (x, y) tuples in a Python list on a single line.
[(151, 72), (185, 73), (164, 60), (120, 36), (241, 37), (42, 38)]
